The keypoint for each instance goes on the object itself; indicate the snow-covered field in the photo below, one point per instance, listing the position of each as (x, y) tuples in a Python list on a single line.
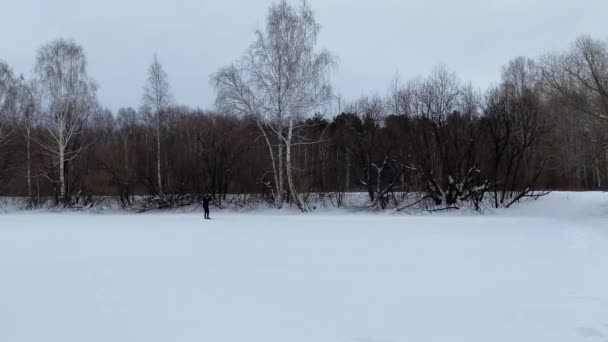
[(538, 272)]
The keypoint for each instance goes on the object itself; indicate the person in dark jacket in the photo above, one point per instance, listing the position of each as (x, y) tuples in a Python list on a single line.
[(206, 201)]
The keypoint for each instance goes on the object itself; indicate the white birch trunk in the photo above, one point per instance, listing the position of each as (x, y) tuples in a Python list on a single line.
[(289, 166)]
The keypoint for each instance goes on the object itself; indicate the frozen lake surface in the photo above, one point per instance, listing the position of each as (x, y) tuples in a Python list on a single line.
[(538, 272)]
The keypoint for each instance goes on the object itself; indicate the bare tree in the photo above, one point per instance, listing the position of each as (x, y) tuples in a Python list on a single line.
[(438, 95), (127, 123), (446, 139), (578, 79), (156, 101), (400, 96), (280, 80), (514, 122), (68, 98), (114, 152), (27, 111), (580, 76), (366, 147)]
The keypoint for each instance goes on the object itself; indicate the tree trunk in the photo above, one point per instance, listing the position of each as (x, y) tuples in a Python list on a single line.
[(158, 161), (280, 186), (62, 184), (347, 172), (29, 167), (277, 191), (289, 168), (598, 174), (126, 159)]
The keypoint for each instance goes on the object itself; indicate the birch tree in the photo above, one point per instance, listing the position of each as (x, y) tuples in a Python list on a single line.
[(280, 80), (68, 99), (156, 101), (27, 111)]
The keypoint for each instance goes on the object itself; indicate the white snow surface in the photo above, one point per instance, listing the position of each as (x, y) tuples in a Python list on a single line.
[(536, 272)]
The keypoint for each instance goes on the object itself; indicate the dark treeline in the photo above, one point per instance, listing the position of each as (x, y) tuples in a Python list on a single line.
[(273, 136)]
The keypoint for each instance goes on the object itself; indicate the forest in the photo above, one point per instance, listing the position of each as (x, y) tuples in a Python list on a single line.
[(281, 134)]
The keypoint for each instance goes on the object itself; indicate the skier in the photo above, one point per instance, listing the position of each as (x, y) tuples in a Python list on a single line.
[(206, 201)]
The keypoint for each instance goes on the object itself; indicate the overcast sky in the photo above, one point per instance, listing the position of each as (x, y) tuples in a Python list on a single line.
[(373, 39)]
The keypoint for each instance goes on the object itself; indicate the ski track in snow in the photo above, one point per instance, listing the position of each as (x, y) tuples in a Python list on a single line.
[(537, 272)]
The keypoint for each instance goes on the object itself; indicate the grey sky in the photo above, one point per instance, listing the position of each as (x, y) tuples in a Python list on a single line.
[(373, 39)]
